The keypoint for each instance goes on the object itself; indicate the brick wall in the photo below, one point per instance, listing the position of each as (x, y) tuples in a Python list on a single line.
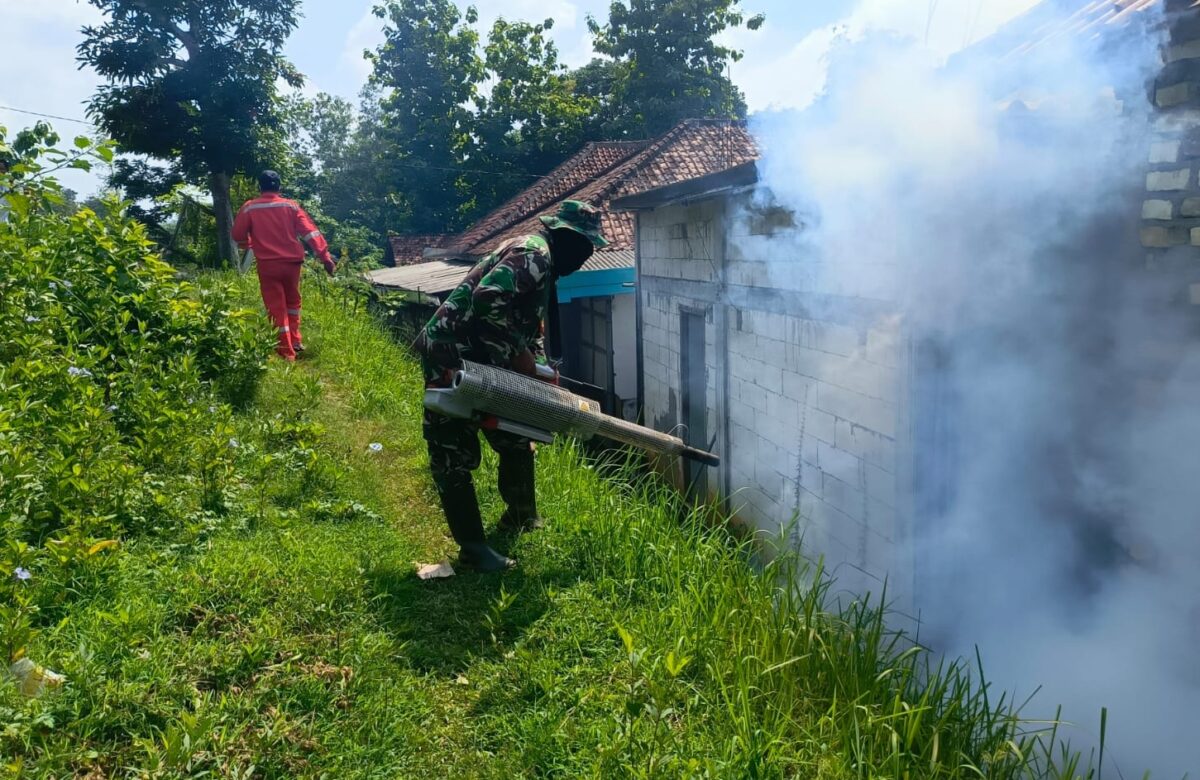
[(1170, 210)]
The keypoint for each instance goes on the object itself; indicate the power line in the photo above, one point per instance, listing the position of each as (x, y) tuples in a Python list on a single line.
[(47, 116)]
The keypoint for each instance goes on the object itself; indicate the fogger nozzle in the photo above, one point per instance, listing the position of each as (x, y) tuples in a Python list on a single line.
[(532, 404)]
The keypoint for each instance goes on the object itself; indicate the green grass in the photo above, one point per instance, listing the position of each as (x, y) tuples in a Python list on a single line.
[(634, 640)]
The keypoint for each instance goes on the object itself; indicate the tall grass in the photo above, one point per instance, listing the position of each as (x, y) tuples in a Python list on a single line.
[(724, 668), (637, 638), (780, 682)]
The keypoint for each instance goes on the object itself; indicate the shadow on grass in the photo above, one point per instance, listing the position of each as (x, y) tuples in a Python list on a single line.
[(444, 624)]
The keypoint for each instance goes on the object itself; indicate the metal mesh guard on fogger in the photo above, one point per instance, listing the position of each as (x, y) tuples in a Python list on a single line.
[(552, 408), (527, 401)]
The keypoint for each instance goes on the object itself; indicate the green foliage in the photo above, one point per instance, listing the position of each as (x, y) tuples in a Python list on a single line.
[(192, 83), (628, 643), (452, 126), (532, 117), (666, 63), (426, 74), (116, 381)]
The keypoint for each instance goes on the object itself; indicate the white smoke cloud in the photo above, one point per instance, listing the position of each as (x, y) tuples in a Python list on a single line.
[(1005, 237)]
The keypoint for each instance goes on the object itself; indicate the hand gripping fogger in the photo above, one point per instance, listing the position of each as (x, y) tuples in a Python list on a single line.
[(537, 410)]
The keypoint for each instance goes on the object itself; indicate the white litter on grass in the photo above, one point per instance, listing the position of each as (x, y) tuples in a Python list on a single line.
[(32, 679), (435, 571), (375, 447)]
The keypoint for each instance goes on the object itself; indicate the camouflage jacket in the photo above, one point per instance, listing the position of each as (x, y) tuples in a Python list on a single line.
[(495, 313)]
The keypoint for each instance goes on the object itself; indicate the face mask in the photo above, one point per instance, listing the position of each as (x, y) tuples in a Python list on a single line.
[(570, 251)]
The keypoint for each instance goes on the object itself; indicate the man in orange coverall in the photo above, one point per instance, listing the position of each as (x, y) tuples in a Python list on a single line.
[(277, 230)]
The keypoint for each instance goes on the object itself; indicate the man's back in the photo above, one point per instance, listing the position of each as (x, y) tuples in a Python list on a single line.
[(497, 310), (274, 227)]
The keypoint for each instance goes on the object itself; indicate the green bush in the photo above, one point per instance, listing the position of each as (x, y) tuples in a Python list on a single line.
[(117, 382)]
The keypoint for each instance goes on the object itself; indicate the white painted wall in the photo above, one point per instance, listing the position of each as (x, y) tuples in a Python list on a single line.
[(624, 345)]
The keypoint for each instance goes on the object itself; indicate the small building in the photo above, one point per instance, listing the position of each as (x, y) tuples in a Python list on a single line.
[(593, 330), (828, 415)]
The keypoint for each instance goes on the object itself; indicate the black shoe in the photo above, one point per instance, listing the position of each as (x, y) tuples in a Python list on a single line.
[(513, 523), (298, 348), (481, 558)]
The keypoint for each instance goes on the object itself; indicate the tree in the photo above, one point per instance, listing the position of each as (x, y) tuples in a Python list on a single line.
[(666, 64), (319, 132), (193, 83), (425, 75), (531, 118)]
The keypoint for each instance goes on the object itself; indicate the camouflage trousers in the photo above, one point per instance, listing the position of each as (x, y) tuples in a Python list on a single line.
[(454, 452), (454, 445)]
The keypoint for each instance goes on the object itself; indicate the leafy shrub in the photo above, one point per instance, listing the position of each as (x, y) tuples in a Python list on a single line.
[(117, 379)]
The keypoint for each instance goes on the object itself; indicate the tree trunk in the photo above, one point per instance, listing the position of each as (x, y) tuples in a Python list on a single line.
[(223, 211)]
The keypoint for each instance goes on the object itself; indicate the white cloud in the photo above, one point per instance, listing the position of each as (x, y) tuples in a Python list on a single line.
[(367, 33), (41, 74)]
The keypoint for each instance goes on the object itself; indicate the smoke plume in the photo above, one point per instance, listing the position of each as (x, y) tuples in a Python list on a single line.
[(995, 203)]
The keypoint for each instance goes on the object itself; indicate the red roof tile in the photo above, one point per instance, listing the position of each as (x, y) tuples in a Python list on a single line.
[(409, 248), (602, 172)]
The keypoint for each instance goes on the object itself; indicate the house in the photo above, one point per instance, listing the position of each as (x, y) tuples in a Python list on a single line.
[(593, 330), (410, 248), (827, 415)]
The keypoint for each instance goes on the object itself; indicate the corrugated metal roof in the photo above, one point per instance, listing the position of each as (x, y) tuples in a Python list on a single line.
[(435, 277), (1088, 20), (431, 278), (607, 259)]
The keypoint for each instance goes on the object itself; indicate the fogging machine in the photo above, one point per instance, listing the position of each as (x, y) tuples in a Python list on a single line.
[(536, 409)]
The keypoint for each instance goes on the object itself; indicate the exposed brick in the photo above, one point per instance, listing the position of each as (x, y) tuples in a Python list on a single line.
[(1184, 51), (1190, 208), (1165, 151), (1159, 209), (1162, 237), (1195, 236), (1194, 294), (1185, 27), (1174, 95), (1164, 181), (1189, 144)]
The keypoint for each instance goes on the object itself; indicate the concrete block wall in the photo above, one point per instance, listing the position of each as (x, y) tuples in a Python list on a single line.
[(812, 402), (679, 248)]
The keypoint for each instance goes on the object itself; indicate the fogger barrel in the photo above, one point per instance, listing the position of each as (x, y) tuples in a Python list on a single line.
[(487, 390)]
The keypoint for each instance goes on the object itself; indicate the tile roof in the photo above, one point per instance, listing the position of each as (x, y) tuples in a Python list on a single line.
[(410, 248), (593, 161), (602, 172)]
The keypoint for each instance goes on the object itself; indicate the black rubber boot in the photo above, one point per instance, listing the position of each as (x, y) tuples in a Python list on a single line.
[(466, 526), (516, 483), (482, 558)]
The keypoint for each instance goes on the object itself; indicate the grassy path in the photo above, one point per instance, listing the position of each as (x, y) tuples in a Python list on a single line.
[(297, 641)]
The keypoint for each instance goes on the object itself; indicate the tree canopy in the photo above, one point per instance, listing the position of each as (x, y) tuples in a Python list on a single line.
[(192, 83)]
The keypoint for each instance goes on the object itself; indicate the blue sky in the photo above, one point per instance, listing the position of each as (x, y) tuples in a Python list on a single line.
[(783, 66)]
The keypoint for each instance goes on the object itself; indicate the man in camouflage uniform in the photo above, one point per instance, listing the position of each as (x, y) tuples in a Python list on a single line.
[(495, 316)]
